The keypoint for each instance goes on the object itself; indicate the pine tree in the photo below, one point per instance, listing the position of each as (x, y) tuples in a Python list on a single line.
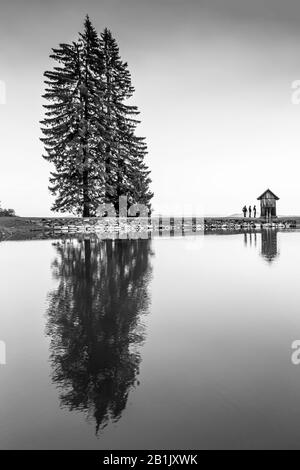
[(89, 131), (74, 134), (126, 171)]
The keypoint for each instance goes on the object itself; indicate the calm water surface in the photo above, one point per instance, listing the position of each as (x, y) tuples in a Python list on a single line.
[(164, 343)]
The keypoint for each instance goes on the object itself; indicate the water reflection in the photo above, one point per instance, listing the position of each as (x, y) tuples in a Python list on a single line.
[(94, 321), (251, 238), (269, 247)]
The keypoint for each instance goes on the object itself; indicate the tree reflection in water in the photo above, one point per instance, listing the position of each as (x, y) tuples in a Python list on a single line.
[(94, 322), (269, 249)]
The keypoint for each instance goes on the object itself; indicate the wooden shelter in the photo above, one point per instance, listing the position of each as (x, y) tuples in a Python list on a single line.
[(268, 204)]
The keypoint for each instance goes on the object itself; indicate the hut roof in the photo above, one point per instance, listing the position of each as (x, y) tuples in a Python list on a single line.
[(271, 193)]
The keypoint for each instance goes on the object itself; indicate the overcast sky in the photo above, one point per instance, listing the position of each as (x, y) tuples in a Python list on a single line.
[(213, 83)]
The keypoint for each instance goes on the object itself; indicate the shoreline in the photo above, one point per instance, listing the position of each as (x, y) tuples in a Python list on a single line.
[(28, 226)]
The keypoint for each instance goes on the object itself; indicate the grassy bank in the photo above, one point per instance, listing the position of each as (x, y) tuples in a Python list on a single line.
[(12, 225)]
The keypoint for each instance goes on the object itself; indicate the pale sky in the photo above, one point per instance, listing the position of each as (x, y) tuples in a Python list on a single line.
[(213, 84)]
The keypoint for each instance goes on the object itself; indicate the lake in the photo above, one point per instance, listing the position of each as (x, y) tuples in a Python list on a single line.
[(166, 343)]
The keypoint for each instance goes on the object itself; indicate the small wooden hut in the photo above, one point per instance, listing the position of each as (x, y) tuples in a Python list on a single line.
[(268, 204)]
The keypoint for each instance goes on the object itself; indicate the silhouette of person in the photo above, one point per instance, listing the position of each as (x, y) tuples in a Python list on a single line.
[(245, 211), (254, 211), (249, 211)]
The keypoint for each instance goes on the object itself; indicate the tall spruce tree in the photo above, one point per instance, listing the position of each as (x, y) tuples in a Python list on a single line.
[(126, 171), (89, 131), (73, 128)]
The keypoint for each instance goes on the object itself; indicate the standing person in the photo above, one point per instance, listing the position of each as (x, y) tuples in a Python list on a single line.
[(245, 211), (249, 211), (254, 212)]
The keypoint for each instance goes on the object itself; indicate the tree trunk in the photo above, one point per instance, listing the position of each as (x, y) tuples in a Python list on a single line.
[(86, 201)]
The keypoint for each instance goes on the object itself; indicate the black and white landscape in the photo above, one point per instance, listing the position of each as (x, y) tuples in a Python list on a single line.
[(149, 227)]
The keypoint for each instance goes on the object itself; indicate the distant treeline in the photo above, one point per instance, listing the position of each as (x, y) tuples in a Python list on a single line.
[(6, 212)]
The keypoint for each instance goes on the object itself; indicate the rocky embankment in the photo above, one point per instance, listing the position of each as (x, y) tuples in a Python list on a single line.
[(22, 227), (231, 223)]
